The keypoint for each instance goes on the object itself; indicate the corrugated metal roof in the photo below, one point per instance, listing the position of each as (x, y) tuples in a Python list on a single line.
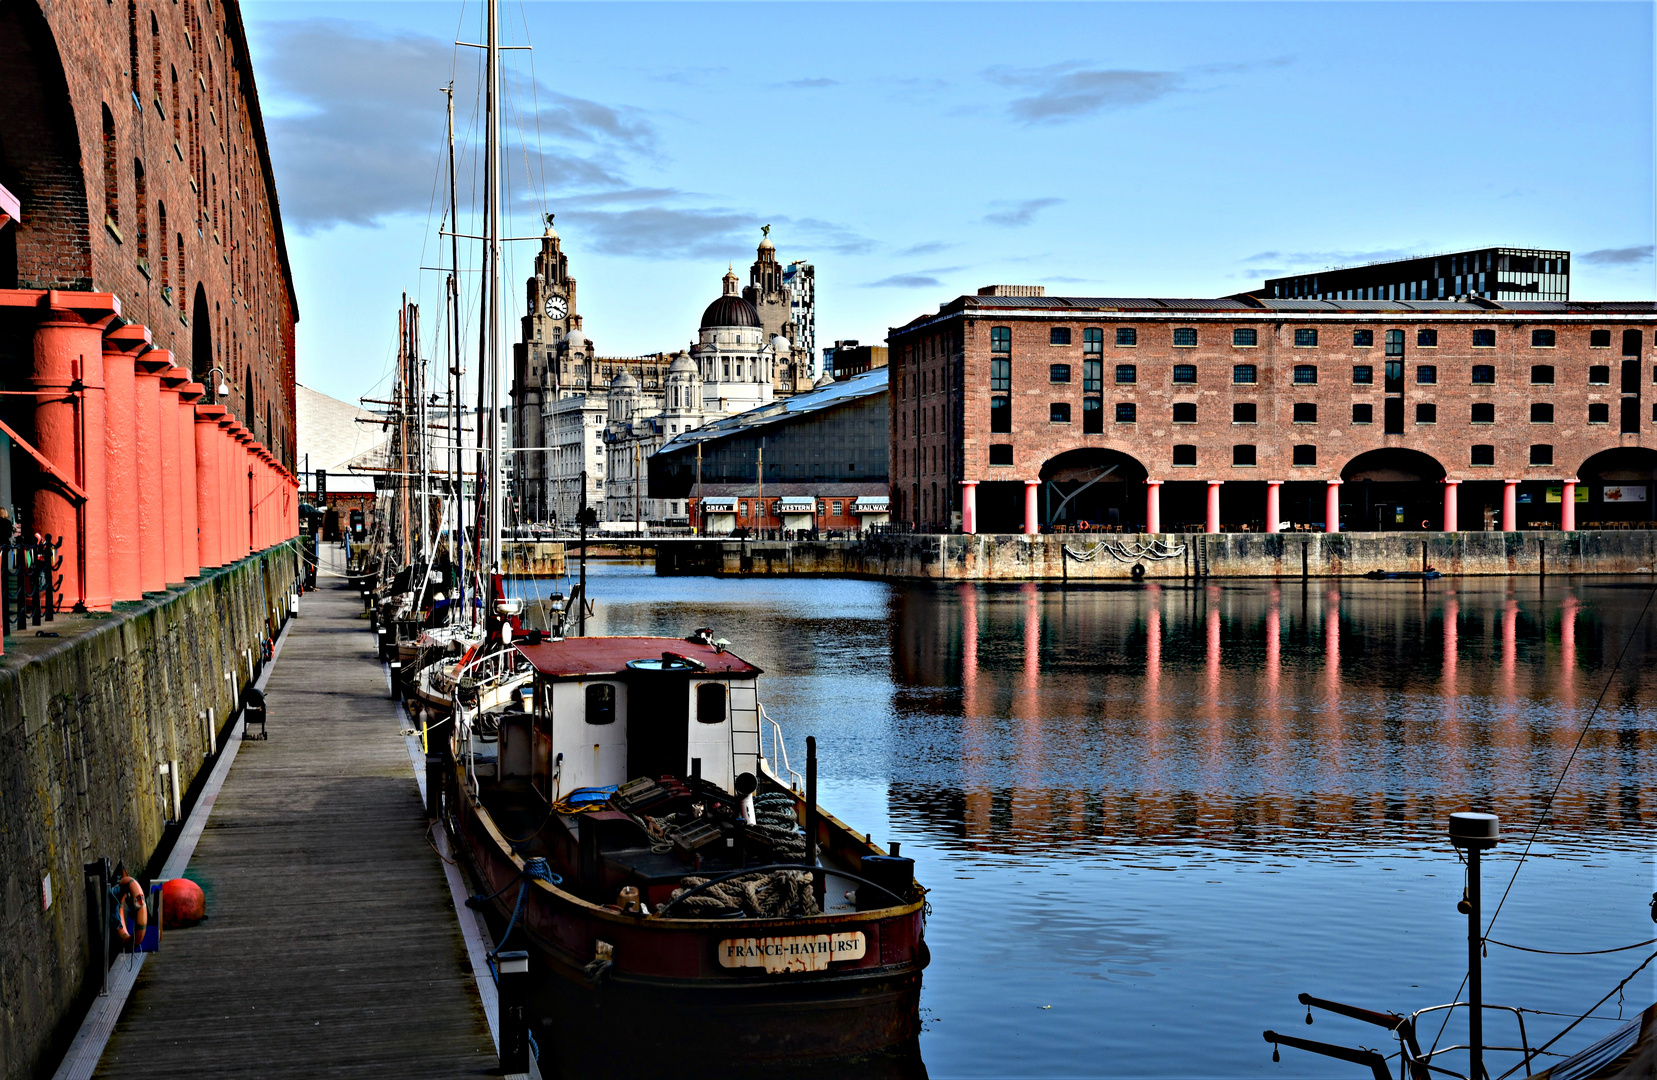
[(858, 386)]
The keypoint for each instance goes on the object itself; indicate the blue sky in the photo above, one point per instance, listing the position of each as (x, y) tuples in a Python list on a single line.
[(914, 152)]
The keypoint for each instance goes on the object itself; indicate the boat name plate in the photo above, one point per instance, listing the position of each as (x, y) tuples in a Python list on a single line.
[(809, 952)]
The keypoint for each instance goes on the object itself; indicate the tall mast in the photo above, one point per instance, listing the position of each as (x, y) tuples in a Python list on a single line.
[(492, 256), (457, 483)]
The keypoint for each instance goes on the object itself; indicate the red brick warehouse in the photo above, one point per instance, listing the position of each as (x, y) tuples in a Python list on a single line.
[(146, 304), (1015, 411)]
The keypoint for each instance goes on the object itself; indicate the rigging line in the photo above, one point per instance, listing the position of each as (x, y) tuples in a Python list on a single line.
[(535, 92), (1547, 807), (1614, 990), (1584, 952)]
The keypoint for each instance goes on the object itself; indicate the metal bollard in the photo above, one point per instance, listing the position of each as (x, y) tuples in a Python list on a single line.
[(514, 995)]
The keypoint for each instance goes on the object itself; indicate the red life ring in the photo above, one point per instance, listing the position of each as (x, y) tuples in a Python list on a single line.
[(1081, 526)]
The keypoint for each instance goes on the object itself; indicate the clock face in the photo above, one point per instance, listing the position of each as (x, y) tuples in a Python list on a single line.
[(557, 307)]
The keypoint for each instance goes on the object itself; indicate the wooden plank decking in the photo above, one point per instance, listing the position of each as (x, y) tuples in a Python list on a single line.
[(331, 946)]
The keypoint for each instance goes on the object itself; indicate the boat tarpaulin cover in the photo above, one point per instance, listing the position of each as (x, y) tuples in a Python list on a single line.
[(1629, 1053)]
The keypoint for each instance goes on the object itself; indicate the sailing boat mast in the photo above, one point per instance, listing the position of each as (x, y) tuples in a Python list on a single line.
[(492, 275), (456, 426)]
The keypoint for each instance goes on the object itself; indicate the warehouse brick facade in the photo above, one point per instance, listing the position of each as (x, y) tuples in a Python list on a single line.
[(1027, 413)]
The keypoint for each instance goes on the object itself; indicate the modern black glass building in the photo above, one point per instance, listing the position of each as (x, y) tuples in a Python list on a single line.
[(1497, 273)]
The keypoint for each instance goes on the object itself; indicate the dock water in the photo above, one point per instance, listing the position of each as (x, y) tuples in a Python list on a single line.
[(331, 946)]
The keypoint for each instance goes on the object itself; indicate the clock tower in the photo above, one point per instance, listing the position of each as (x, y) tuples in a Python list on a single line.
[(549, 317)]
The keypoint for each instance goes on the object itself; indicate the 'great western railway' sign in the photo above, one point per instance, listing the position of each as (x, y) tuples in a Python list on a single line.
[(812, 952)]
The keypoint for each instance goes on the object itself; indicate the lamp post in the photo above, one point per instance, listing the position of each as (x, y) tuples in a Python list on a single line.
[(1474, 832)]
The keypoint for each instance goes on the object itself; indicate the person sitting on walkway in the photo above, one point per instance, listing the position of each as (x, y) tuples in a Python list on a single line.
[(124, 892)]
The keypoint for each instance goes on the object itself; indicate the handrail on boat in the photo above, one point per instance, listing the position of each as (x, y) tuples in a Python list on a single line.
[(779, 749)]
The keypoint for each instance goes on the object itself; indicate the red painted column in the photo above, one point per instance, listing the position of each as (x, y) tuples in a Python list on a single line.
[(172, 482), (1153, 506), (69, 432), (209, 483), (1032, 522), (1451, 488), (1332, 507), (969, 506), (1274, 504), (1567, 507), (227, 491), (121, 459), (1213, 523), (152, 559), (188, 470), (243, 456), (1510, 505)]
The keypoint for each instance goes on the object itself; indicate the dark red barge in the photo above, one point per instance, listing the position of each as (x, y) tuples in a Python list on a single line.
[(681, 896)]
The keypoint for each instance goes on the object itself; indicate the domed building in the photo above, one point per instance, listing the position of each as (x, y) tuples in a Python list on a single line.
[(732, 354)]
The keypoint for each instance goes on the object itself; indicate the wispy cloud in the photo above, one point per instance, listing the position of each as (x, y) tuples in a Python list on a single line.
[(1625, 256), (662, 231), (929, 278), (357, 133), (808, 84), (1015, 215), (1070, 90), (929, 247), (1272, 263)]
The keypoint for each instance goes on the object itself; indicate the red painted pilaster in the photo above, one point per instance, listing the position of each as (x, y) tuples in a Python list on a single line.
[(121, 459), (209, 483), (188, 395), (172, 495), (152, 559)]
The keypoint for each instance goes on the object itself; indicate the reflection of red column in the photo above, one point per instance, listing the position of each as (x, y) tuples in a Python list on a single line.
[(189, 510), (146, 398), (969, 506), (121, 451), (172, 482), (1274, 504), (1332, 642), (1153, 683), (1452, 650), (969, 650), (1567, 651), (1450, 521), (1274, 662), (1153, 506), (1032, 642), (1510, 505), (209, 481), (1214, 505), (1332, 507), (1567, 508), (1032, 523), (1510, 647)]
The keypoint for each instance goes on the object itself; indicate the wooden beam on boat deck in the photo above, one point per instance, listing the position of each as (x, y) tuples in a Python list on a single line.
[(331, 946)]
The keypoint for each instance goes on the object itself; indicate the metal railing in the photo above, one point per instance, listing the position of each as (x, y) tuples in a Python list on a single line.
[(779, 749), (29, 581)]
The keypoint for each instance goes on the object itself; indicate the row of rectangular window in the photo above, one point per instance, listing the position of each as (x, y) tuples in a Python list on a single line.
[(1302, 455), (1304, 412), (1093, 338), (1001, 374)]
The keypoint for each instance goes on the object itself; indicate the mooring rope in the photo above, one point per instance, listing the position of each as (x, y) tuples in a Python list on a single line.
[(1126, 551)]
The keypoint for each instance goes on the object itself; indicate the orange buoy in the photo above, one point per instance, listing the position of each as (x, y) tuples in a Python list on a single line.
[(182, 903)]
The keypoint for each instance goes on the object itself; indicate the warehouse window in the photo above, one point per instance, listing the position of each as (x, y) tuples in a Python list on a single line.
[(1426, 339), (1395, 343), (1093, 340), (1305, 338), (1541, 454), (1242, 455), (1484, 338), (1059, 373), (1185, 455), (1541, 339), (1126, 412), (1599, 339), (1001, 339), (1001, 414), (1483, 374), (1127, 373), (1363, 339), (1599, 413), (1059, 412), (1306, 374), (1058, 335), (1426, 374), (1631, 343), (1305, 412), (1185, 373), (1243, 412), (1127, 336), (1185, 337), (1093, 376), (1001, 374), (1426, 413), (1305, 454), (1363, 414), (1093, 416), (1185, 412), (1245, 336), (112, 182), (1541, 412), (1599, 375), (1541, 374), (1244, 374), (1484, 412), (1001, 453), (1363, 375), (1483, 454)]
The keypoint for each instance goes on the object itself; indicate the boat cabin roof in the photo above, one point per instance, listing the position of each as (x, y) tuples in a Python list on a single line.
[(601, 657)]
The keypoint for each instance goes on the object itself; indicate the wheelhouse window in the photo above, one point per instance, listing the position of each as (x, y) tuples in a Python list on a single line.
[(1127, 336), (601, 703), (1185, 337), (710, 703), (1058, 335)]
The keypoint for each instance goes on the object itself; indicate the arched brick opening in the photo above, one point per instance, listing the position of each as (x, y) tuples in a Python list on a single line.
[(40, 160), (1392, 490), (1100, 486), (1621, 484)]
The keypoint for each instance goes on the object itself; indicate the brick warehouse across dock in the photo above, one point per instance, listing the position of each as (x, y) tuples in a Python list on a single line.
[(147, 359), (1018, 412)]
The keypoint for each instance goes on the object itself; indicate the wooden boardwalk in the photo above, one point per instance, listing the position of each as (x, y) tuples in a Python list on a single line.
[(331, 946)]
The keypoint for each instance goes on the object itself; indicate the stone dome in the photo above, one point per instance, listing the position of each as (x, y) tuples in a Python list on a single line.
[(624, 381), (682, 365), (730, 311), (575, 339), (780, 345)]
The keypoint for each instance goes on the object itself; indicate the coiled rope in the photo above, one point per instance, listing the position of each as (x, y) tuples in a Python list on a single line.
[(1126, 551)]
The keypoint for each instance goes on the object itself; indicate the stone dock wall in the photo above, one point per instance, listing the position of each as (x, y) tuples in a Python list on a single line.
[(88, 721), (1085, 557)]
